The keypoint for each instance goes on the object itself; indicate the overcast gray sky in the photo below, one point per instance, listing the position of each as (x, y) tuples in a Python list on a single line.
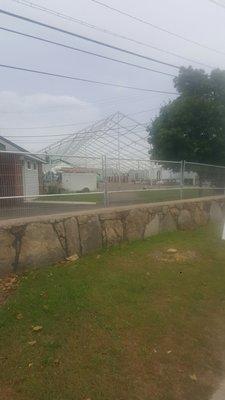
[(28, 100)]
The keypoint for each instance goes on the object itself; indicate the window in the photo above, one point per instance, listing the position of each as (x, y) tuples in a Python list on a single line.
[(28, 165), (35, 165)]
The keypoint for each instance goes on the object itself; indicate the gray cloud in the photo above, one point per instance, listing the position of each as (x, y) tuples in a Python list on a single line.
[(27, 100)]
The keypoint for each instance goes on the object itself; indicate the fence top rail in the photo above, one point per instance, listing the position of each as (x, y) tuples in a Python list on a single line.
[(49, 195), (204, 165), (30, 154), (143, 160), (166, 161), (44, 155), (178, 188)]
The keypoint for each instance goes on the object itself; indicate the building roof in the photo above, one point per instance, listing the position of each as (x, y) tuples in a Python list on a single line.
[(20, 150), (79, 170)]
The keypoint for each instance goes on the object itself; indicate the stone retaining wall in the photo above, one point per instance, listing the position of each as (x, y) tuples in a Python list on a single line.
[(41, 241)]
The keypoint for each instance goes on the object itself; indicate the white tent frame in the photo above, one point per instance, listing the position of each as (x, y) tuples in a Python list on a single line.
[(118, 137)]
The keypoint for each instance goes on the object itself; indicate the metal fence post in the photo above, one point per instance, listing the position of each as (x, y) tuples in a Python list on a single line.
[(105, 183), (50, 189), (182, 168)]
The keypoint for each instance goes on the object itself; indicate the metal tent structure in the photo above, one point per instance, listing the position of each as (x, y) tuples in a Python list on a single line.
[(119, 138)]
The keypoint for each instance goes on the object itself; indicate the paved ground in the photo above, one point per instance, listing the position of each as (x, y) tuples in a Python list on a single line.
[(35, 209), (56, 206), (31, 209)]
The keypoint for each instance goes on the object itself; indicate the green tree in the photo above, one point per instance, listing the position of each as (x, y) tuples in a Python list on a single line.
[(192, 127)]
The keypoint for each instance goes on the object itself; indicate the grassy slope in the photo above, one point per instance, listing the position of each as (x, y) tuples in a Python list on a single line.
[(121, 325)]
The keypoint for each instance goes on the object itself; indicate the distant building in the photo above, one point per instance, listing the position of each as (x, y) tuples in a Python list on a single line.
[(20, 174), (78, 179)]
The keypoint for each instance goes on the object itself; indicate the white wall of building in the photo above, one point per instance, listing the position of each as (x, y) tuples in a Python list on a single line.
[(75, 181), (30, 177)]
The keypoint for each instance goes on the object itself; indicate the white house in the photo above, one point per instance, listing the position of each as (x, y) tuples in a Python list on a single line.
[(20, 174)]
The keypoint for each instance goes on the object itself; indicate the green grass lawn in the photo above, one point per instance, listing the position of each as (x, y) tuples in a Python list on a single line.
[(132, 197), (131, 322), (173, 194), (93, 197)]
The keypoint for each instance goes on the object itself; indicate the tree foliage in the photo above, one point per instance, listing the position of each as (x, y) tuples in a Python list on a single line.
[(192, 127)]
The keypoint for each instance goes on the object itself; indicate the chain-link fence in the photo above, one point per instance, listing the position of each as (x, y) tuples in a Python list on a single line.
[(38, 184), (42, 184), (203, 179), (131, 181)]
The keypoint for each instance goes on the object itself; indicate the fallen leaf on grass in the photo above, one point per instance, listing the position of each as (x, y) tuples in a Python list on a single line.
[(30, 365), (193, 377), (32, 342), (169, 351), (37, 328), (19, 316), (172, 251), (44, 294), (7, 285), (74, 257)]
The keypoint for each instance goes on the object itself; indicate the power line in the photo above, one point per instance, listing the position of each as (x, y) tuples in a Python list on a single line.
[(106, 31), (84, 51), (108, 101), (64, 125), (217, 3), (67, 135), (35, 71), (144, 111), (86, 38), (105, 101), (56, 126), (143, 21), (62, 134), (40, 127)]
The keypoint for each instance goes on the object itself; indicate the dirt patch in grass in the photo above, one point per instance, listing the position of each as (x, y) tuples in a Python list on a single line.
[(174, 255), (6, 393), (8, 285)]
